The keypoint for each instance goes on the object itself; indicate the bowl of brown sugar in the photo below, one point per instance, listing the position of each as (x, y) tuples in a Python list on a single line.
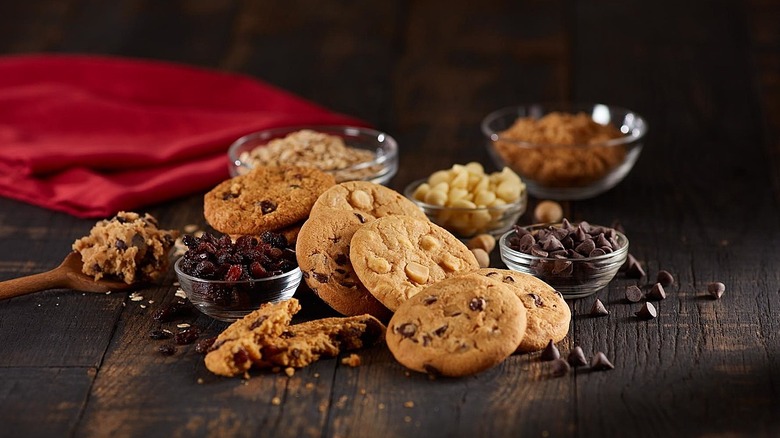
[(566, 151), (347, 152)]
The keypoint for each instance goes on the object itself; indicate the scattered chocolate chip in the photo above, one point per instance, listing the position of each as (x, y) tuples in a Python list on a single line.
[(167, 349), (647, 312), (477, 304), (267, 206), (665, 278), (634, 269), (716, 289), (560, 367), (634, 294), (160, 334), (550, 352), (601, 363), (577, 357), (598, 309), (657, 293)]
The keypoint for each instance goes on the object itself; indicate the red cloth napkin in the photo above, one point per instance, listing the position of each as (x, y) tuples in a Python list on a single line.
[(91, 136)]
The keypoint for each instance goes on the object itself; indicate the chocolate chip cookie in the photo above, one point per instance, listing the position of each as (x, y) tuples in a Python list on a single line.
[(265, 199), (322, 251), (367, 200), (458, 326), (397, 256), (548, 314)]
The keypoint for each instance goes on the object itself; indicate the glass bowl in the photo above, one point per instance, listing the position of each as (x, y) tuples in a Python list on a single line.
[(232, 300), (468, 222), (566, 171), (379, 168), (572, 277)]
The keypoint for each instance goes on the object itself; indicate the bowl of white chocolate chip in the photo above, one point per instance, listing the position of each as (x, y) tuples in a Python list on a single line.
[(467, 201)]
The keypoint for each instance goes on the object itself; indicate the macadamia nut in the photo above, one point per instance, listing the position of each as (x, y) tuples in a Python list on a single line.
[(471, 192), (548, 212)]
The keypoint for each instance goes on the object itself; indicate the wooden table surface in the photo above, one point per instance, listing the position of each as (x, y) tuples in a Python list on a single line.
[(702, 202)]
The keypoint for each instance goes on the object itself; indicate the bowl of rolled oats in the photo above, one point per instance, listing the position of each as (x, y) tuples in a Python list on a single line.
[(348, 152), (566, 151), (467, 201)]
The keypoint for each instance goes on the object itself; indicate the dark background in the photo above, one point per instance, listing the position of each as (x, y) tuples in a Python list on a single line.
[(701, 202)]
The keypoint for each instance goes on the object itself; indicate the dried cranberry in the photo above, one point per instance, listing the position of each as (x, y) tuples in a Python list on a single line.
[(204, 345), (187, 336), (174, 310), (160, 334), (167, 349)]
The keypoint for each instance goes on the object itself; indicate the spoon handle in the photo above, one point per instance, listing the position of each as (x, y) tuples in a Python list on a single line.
[(32, 283)]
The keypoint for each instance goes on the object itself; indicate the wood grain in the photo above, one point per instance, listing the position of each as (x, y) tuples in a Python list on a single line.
[(702, 202)]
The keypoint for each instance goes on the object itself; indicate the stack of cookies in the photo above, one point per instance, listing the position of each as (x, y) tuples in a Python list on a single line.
[(372, 255)]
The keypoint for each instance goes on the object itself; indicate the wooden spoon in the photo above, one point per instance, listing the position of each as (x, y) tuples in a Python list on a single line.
[(67, 275)]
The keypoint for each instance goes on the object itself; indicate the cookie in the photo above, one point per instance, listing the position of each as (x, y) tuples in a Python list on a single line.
[(548, 314), (239, 346), (128, 246), (322, 251), (397, 256), (265, 199), (367, 199), (302, 344), (457, 327)]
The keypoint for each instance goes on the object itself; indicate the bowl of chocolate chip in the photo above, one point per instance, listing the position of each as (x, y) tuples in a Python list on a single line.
[(228, 279), (577, 259), (349, 153), (566, 151)]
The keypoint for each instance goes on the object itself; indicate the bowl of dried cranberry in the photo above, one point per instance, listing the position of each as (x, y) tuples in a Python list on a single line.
[(226, 280), (577, 260)]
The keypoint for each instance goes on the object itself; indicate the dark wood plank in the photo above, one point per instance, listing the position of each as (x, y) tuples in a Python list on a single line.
[(28, 406)]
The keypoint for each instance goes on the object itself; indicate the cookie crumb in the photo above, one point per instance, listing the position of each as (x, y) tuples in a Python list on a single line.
[(276, 401), (353, 360), (409, 404), (290, 371), (407, 419), (381, 406), (362, 391), (309, 385), (190, 228), (200, 380)]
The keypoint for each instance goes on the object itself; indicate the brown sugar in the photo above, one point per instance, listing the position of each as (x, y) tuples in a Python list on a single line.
[(564, 150)]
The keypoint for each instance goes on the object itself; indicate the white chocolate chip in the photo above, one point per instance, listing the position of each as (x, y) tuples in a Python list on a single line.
[(378, 265), (360, 199), (450, 262), (429, 243)]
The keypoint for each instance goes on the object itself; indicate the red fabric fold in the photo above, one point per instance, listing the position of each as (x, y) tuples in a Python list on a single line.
[(92, 135)]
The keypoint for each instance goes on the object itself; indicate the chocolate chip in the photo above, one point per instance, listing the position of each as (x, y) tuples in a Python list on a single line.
[(477, 304), (360, 218), (577, 357), (647, 312), (598, 309), (322, 278), (665, 278), (551, 244), (598, 252), (267, 206), (634, 294), (537, 300), (407, 330), (634, 269), (426, 340), (585, 247), (258, 322), (341, 259), (716, 289), (601, 363), (550, 352), (656, 293), (601, 241), (538, 252), (429, 300), (120, 244), (509, 279), (440, 331), (560, 367)]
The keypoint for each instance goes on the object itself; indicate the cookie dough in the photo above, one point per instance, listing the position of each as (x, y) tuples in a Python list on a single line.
[(458, 326), (128, 246)]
